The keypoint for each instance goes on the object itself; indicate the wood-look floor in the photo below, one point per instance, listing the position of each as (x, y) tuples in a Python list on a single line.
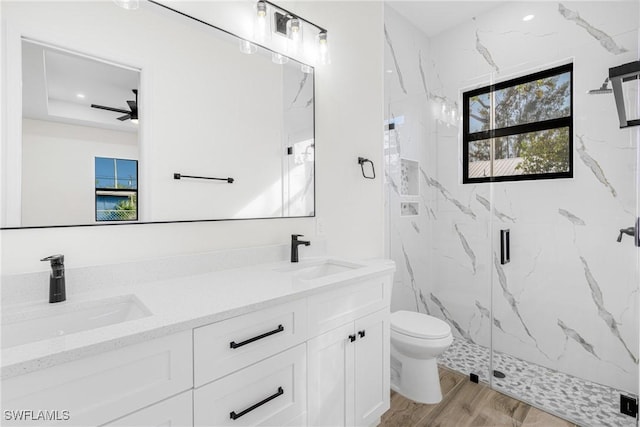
[(467, 404)]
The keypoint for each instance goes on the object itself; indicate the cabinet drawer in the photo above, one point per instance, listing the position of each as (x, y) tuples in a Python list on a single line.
[(332, 309), (176, 411), (230, 345), (99, 388), (270, 393)]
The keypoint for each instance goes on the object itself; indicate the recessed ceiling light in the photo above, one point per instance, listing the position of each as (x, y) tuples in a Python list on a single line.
[(80, 95), (528, 18)]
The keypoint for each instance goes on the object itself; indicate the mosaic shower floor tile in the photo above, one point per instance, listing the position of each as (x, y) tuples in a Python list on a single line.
[(577, 400)]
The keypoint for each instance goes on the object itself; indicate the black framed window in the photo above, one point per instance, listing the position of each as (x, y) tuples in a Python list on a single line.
[(116, 184), (520, 129)]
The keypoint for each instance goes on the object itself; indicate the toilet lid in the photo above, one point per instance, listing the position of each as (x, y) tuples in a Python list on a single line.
[(419, 325)]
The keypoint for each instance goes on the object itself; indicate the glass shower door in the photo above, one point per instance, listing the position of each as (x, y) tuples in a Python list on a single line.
[(564, 291)]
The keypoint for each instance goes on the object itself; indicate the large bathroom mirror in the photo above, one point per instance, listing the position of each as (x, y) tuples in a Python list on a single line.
[(163, 119)]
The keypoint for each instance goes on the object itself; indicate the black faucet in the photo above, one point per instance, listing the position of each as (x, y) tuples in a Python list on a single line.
[(57, 291), (631, 231), (294, 246)]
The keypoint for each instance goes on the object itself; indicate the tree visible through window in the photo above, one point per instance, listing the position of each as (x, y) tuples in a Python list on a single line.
[(520, 129), (116, 183)]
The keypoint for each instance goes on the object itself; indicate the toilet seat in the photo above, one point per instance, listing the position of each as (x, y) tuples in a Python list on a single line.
[(419, 325)]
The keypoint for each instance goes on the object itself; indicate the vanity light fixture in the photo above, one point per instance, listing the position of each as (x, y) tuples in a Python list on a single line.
[(290, 26), (128, 4)]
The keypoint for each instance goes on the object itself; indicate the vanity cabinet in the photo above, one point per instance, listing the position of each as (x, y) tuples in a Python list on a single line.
[(320, 360)]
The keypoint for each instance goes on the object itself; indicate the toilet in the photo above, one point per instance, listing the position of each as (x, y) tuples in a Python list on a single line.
[(416, 341)]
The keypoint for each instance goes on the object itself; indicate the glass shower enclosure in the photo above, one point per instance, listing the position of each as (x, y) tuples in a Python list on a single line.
[(529, 271)]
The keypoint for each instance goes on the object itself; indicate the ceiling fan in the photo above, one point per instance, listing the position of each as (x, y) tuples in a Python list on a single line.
[(132, 114)]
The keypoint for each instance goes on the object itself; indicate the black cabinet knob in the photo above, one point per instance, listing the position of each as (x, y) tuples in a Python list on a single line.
[(352, 338), (361, 333)]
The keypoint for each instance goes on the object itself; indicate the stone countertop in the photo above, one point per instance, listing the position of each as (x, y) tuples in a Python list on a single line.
[(176, 305)]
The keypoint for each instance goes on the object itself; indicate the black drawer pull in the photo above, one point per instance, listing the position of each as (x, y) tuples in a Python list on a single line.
[(233, 344), (235, 416)]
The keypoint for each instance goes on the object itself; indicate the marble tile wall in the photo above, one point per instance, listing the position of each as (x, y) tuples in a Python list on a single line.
[(568, 301)]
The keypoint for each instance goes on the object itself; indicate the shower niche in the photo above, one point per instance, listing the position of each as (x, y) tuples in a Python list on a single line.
[(409, 177)]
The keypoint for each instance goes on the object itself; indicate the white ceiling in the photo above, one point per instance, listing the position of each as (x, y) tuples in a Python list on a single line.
[(52, 80), (434, 17)]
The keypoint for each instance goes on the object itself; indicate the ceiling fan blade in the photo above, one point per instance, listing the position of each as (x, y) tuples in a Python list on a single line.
[(133, 105), (125, 117), (102, 107)]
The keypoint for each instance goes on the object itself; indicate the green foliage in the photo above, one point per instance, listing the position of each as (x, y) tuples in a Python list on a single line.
[(128, 208), (545, 152)]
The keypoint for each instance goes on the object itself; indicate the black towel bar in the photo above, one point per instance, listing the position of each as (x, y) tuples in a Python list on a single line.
[(180, 176)]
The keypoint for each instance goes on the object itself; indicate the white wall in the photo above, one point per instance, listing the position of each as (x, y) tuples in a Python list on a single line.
[(58, 172), (348, 123)]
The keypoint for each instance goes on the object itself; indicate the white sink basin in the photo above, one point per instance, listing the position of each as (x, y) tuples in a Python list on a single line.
[(43, 322), (316, 269)]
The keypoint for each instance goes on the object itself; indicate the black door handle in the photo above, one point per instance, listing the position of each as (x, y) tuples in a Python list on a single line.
[(234, 416), (505, 250), (233, 344)]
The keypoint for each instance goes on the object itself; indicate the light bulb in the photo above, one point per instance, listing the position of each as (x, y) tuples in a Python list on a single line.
[(247, 47), (323, 48), (260, 25), (294, 33)]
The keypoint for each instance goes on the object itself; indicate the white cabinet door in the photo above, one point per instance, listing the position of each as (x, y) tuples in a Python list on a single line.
[(349, 373), (330, 380), (371, 367), (176, 411)]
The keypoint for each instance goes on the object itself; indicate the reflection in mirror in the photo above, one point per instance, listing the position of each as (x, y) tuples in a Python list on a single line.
[(66, 142), (210, 106)]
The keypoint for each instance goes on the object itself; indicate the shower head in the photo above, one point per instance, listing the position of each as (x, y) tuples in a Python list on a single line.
[(603, 89)]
